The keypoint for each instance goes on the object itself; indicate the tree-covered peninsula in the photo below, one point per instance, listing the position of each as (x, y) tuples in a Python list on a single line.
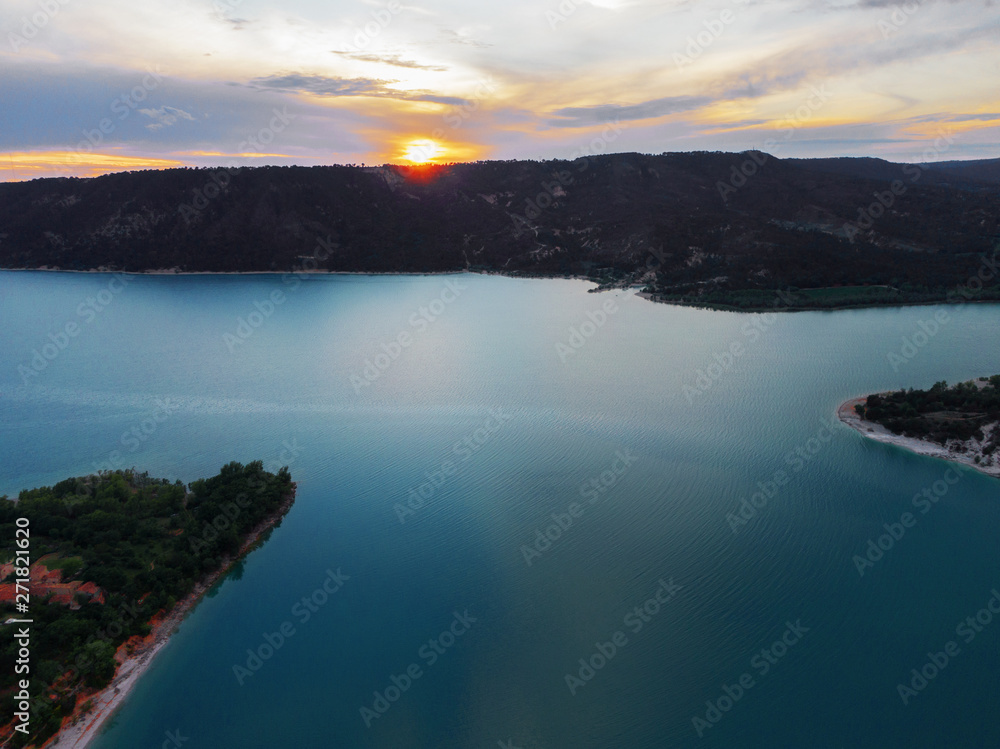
[(115, 560), (959, 420)]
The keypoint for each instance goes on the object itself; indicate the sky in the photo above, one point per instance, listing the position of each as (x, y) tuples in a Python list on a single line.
[(95, 86)]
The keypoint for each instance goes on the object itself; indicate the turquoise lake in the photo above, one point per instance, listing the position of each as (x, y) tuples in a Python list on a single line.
[(429, 473)]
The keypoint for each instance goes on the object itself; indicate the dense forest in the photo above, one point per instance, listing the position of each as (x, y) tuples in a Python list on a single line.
[(144, 543), (718, 229), (942, 413)]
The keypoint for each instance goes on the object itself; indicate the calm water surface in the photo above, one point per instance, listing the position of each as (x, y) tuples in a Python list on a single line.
[(487, 416)]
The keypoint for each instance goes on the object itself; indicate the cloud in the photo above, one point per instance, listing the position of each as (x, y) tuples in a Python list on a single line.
[(840, 54), (74, 84), (463, 36), (985, 116), (69, 106), (322, 85), (394, 60), (165, 116), (603, 113)]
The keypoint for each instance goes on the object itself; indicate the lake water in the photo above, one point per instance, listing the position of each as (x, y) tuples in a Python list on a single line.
[(489, 415)]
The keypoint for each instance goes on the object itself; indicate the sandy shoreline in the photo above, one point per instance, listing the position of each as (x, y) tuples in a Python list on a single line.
[(79, 734), (879, 433)]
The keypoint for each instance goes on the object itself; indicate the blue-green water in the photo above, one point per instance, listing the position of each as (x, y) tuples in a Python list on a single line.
[(486, 404)]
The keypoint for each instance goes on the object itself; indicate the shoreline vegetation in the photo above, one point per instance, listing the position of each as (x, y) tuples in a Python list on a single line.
[(153, 561), (744, 300), (820, 299), (959, 423)]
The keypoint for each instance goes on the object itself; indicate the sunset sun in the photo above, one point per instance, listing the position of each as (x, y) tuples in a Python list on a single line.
[(421, 151)]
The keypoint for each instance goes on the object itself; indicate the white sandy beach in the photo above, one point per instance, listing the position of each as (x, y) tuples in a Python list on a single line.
[(80, 734), (879, 433), (85, 730)]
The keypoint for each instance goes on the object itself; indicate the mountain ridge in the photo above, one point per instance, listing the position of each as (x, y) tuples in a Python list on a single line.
[(688, 225)]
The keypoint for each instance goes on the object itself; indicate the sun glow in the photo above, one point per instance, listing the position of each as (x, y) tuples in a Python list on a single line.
[(421, 151), (24, 165)]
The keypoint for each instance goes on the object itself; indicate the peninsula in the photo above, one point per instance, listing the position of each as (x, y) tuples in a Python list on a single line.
[(957, 423), (117, 560)]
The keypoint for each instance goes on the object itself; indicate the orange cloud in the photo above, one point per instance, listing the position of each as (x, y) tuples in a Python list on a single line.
[(950, 126), (246, 155), (25, 165)]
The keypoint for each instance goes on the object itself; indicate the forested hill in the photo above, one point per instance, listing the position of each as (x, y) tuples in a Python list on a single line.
[(694, 225)]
